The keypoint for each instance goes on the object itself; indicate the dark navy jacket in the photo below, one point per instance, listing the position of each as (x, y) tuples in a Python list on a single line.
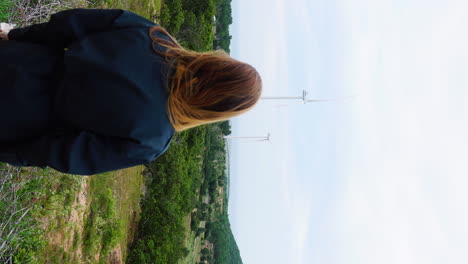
[(110, 100)]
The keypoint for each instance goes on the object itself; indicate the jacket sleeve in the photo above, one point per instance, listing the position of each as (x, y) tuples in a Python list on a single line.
[(83, 153), (67, 26)]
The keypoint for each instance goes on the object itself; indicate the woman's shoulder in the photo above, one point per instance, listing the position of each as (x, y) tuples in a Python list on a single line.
[(160, 33), (130, 19), (161, 39)]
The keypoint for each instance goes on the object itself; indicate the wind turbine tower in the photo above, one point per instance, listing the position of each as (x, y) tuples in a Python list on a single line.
[(302, 99), (250, 138)]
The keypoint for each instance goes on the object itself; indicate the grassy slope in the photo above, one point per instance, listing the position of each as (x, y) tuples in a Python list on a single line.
[(127, 186), (82, 214)]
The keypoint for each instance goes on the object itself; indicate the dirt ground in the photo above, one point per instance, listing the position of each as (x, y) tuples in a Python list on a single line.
[(64, 238)]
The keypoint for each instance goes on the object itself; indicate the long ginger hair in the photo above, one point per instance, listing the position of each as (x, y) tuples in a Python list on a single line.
[(206, 87)]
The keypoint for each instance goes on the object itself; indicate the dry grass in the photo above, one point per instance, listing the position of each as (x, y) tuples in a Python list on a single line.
[(26, 12)]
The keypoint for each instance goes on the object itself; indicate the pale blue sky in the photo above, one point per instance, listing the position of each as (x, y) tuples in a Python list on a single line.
[(380, 178)]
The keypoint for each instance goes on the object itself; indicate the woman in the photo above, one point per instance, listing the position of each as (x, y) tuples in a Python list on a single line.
[(98, 90)]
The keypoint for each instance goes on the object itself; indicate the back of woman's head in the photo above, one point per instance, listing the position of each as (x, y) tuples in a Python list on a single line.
[(206, 87)]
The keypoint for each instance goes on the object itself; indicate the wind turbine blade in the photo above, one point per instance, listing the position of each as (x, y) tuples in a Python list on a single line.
[(319, 100), (334, 99)]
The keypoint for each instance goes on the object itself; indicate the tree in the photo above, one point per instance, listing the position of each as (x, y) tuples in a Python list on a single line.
[(225, 127), (164, 16), (177, 15)]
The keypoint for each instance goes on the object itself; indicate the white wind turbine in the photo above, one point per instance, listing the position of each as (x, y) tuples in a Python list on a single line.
[(302, 98), (250, 138)]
